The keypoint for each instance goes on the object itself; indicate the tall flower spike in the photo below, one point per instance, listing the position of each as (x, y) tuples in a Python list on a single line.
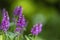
[(5, 21), (36, 29), (21, 21), (18, 10)]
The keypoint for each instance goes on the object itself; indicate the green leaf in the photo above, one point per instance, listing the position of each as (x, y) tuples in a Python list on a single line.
[(27, 37), (1, 37), (11, 35)]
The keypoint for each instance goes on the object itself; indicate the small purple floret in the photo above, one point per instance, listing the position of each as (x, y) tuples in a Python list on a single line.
[(36, 29)]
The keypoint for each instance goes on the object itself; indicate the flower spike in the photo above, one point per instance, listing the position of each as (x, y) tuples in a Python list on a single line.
[(5, 21), (36, 29)]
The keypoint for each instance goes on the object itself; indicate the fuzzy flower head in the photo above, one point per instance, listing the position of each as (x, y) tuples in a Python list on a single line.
[(18, 10), (21, 21), (5, 21), (36, 29)]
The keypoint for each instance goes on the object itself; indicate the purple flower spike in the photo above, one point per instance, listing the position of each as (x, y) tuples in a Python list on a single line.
[(21, 21), (36, 29), (5, 21), (20, 25), (18, 11)]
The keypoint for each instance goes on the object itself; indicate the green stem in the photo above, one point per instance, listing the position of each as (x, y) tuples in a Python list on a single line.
[(11, 39), (4, 37), (7, 38), (18, 37), (22, 36), (35, 37)]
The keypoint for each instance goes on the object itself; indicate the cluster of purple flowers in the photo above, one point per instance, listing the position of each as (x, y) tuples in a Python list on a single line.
[(20, 23), (5, 21), (36, 29)]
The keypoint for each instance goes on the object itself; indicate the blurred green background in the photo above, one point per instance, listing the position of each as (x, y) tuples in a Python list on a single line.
[(37, 11)]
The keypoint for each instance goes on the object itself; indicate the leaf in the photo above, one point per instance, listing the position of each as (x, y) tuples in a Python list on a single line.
[(27, 37), (1, 37), (11, 35)]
